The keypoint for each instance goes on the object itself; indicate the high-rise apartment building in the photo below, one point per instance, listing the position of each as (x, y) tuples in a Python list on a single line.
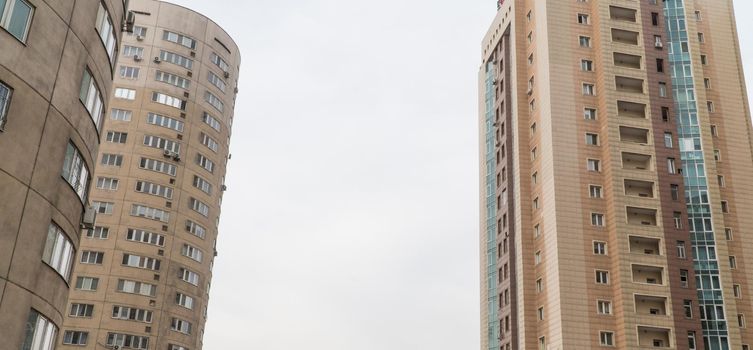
[(56, 64), (142, 275), (616, 174)]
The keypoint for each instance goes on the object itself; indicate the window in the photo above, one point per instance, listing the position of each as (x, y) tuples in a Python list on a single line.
[(172, 79), (158, 166), (681, 250), (208, 141), (536, 231), (75, 171), (589, 89), (687, 307), (168, 100), (674, 191), (660, 65), (587, 65), (75, 338), (655, 18), (40, 332), (710, 106), (602, 277), (584, 41), (179, 39), (150, 213), (135, 287), (141, 262), (162, 143), (668, 140), (112, 159), (606, 338), (216, 81), (589, 113), (539, 285), (211, 121), (684, 278), (103, 207), (91, 98), (133, 51), (58, 251), (15, 17), (147, 237), (604, 307), (106, 31), (196, 229), (125, 94), (99, 232), (717, 155), (127, 341), (592, 139), (583, 19), (121, 115), (129, 72), (192, 252), (691, 340), (117, 136), (198, 206), (698, 15), (707, 83), (728, 233), (214, 101), (737, 291), (176, 347), (219, 62), (181, 326), (176, 59), (665, 114), (536, 203), (540, 313), (202, 184), (701, 38), (535, 178), (677, 218), (597, 219), (184, 300), (204, 162), (530, 37), (704, 60), (741, 320), (594, 165), (165, 122), (662, 89), (671, 166), (131, 314), (732, 262), (594, 191), (537, 258), (188, 276), (5, 95), (600, 248), (87, 283), (91, 257), (81, 310), (714, 131), (154, 189), (725, 207)]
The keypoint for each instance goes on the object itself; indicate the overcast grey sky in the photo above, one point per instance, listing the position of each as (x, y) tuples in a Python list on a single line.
[(351, 216)]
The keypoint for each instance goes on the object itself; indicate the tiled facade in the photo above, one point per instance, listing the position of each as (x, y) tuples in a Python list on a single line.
[(596, 144), (56, 66), (158, 186)]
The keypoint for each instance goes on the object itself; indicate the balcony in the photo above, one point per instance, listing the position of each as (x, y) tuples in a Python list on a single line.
[(624, 36), (652, 337), (637, 188), (634, 135), (631, 110), (645, 245), (629, 85), (648, 274), (627, 61), (622, 14), (635, 161), (641, 216), (650, 305)]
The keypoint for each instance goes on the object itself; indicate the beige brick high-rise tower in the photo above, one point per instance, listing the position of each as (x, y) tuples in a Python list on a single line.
[(616, 177), (143, 273), (56, 64)]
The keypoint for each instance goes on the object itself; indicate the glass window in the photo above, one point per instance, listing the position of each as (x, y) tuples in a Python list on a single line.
[(176, 59), (216, 81), (40, 332), (168, 100), (91, 98), (5, 95), (172, 79), (214, 101), (58, 251), (76, 172), (15, 17), (75, 338), (126, 94), (211, 121), (219, 62), (179, 39), (106, 31)]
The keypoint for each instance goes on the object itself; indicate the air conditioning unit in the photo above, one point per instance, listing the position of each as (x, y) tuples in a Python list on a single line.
[(90, 216), (193, 53), (137, 58), (658, 44), (140, 37), (227, 74), (157, 59), (167, 153), (223, 188), (189, 73), (185, 94), (176, 157)]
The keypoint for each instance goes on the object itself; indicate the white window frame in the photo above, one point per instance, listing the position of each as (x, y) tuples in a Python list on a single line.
[(6, 16)]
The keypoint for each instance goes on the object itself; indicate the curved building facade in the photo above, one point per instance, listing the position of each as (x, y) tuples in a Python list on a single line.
[(145, 268), (56, 68)]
